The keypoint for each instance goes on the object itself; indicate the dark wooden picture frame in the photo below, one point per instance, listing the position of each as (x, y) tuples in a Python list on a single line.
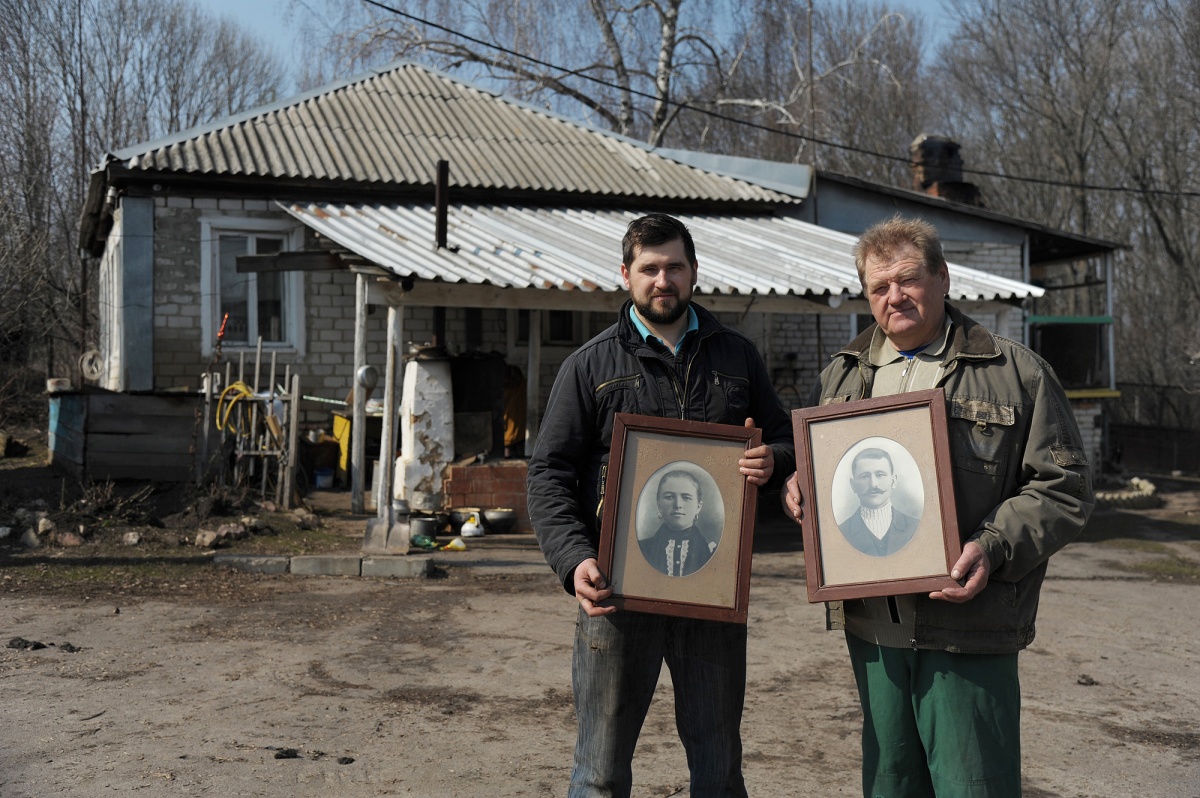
[(917, 551), (646, 452)]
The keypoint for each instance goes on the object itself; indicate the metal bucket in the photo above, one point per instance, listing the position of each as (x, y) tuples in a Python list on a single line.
[(423, 525)]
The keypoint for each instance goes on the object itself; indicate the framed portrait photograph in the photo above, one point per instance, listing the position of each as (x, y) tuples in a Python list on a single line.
[(678, 522), (879, 513)]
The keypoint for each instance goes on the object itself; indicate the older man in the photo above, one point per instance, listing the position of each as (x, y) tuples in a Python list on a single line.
[(937, 673)]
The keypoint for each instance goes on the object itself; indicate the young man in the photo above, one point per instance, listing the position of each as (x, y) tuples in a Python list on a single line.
[(937, 673), (667, 357)]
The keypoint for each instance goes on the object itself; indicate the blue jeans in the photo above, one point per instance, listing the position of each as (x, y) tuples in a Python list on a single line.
[(615, 668)]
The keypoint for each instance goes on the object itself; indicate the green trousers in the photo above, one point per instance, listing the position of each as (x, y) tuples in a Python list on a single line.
[(938, 724)]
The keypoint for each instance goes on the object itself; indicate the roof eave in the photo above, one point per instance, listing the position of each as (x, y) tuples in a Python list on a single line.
[(1059, 241), (114, 174)]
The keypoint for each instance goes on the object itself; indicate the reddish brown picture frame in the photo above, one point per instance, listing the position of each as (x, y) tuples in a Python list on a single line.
[(644, 449), (912, 429)]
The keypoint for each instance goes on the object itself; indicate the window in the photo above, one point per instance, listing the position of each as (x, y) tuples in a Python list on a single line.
[(1076, 348), (473, 321), (558, 327), (562, 327), (523, 327), (267, 303)]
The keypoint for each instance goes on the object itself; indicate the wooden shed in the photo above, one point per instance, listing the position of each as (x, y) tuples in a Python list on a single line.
[(103, 434)]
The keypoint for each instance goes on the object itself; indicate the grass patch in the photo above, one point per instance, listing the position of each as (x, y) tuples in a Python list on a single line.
[(108, 574), (1179, 569), (293, 542), (1127, 525), (129, 575), (1136, 544)]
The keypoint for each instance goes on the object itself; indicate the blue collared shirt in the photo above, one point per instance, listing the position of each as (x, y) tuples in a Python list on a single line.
[(647, 336)]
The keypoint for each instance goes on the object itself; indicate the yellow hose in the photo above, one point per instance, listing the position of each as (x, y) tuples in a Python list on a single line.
[(240, 391)]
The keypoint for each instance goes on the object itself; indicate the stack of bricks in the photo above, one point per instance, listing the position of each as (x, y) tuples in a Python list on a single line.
[(488, 486)]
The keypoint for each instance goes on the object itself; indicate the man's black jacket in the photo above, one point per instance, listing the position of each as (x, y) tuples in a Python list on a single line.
[(721, 379)]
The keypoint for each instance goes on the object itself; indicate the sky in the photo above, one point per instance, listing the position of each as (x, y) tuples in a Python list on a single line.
[(275, 21), (263, 18), (269, 19)]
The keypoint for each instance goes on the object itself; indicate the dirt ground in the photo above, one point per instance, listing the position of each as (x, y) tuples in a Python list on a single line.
[(184, 679)]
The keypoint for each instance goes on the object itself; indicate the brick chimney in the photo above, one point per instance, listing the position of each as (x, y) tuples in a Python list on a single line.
[(937, 170)]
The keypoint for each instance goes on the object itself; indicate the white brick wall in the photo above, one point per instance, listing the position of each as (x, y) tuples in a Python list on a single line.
[(1001, 259), (795, 347)]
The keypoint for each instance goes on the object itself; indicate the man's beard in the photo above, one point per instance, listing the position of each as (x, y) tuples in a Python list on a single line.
[(664, 315)]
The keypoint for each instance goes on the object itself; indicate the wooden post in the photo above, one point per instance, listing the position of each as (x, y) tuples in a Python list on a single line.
[(358, 426), (252, 434), (222, 473), (238, 466), (269, 444), (202, 443), (288, 476), (387, 446), (533, 395)]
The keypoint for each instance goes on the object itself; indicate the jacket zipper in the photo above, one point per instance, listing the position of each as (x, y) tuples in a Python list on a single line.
[(687, 377), (603, 485), (680, 394), (680, 390), (636, 378), (718, 375)]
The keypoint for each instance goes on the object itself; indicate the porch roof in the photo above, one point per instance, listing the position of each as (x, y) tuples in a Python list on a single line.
[(576, 250)]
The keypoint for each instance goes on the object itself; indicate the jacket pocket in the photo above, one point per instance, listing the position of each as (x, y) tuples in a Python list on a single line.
[(980, 433), (995, 612), (618, 395), (728, 397)]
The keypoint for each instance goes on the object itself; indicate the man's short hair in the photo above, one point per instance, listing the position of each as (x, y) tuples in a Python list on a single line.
[(885, 239), (871, 454), (652, 230), (686, 475)]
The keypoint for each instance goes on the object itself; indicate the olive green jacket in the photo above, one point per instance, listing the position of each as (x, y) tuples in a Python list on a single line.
[(1022, 486)]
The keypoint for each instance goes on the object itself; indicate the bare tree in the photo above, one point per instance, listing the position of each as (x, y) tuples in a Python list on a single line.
[(79, 78), (635, 68), (1034, 83), (1096, 93), (862, 85)]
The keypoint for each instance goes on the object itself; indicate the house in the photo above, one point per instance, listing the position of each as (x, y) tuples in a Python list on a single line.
[(1070, 323), (487, 229)]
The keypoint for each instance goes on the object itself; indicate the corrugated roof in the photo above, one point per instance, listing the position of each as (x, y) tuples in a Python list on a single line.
[(578, 249), (392, 126)]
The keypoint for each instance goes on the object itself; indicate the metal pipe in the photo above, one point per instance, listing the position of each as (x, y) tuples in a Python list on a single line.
[(441, 202)]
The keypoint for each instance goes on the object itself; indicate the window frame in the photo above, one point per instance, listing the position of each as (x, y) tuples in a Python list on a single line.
[(211, 227)]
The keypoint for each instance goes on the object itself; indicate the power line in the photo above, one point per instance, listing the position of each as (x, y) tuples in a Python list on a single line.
[(770, 130)]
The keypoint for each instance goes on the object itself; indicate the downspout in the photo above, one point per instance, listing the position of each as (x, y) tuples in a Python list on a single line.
[(1112, 336)]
